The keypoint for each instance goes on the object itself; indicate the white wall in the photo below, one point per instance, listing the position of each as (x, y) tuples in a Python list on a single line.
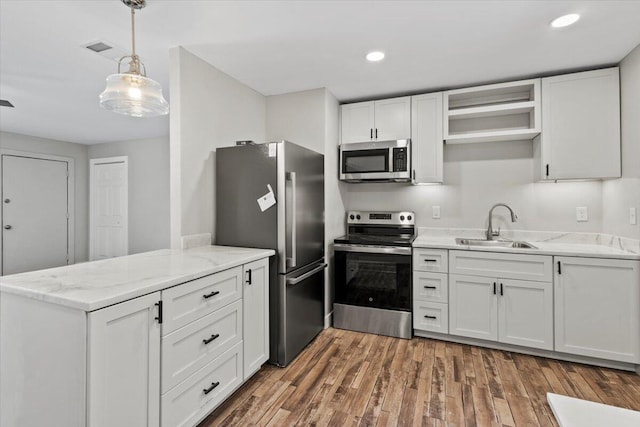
[(621, 194), (148, 189), (209, 109), (476, 177), (32, 144)]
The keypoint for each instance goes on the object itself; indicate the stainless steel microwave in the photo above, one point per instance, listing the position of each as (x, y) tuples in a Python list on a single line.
[(376, 161)]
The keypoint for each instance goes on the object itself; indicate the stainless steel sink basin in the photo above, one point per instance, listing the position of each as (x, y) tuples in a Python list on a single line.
[(494, 243)]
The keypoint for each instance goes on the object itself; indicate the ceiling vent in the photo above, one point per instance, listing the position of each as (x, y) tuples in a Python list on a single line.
[(5, 103), (106, 49)]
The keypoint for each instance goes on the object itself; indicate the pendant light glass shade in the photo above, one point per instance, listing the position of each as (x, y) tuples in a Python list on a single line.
[(134, 95)]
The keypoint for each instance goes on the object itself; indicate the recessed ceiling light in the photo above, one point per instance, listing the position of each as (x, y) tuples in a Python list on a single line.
[(375, 56), (565, 20)]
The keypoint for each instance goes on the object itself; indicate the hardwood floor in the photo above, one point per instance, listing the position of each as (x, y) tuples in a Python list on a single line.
[(350, 378)]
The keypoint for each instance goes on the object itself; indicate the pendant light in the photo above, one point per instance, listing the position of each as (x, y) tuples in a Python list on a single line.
[(133, 93)]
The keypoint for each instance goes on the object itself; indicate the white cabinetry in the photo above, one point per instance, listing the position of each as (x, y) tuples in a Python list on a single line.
[(597, 308), (426, 138), (124, 364), (430, 290), (256, 316), (496, 304), (383, 120), (580, 126)]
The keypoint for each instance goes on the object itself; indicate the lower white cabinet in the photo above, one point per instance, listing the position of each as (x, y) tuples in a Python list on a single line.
[(256, 315), (511, 311), (597, 308), (123, 387)]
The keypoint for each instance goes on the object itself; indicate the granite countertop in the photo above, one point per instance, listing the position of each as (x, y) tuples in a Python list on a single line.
[(93, 285), (592, 245)]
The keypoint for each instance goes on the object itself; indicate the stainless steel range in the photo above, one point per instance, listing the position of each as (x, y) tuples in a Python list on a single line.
[(373, 273)]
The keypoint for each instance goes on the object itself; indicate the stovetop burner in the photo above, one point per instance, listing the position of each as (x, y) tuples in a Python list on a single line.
[(379, 228)]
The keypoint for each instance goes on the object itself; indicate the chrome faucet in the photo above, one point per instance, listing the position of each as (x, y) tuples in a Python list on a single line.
[(490, 233)]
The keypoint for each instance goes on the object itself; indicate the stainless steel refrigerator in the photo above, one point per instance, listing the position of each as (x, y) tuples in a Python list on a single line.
[(272, 196)]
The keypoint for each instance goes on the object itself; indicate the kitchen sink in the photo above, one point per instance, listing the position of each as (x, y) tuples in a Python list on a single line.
[(494, 243)]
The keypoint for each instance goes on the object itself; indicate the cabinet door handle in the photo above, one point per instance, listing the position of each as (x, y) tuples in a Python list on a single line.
[(494, 288), (547, 169), (213, 385), (248, 281), (376, 133), (559, 268), (430, 317), (159, 317), (212, 294), (371, 133), (211, 338), (501, 289), (430, 287)]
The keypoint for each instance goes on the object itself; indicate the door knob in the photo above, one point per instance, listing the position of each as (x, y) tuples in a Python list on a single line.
[(7, 227), (7, 200)]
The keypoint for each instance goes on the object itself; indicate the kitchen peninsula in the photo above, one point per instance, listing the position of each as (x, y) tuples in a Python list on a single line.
[(102, 342)]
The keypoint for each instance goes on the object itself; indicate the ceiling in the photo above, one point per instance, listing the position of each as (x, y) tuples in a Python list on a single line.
[(285, 46)]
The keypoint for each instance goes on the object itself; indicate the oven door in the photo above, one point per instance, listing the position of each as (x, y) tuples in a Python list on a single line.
[(372, 276)]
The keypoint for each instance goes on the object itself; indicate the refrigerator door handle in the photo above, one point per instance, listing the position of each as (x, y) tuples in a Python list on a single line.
[(306, 275), (291, 176)]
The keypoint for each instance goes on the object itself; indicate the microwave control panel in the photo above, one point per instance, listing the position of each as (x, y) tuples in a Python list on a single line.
[(400, 159)]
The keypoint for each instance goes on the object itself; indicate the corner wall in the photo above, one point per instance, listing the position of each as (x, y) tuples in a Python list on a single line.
[(621, 194)]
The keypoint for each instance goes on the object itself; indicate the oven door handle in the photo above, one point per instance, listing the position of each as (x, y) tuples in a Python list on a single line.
[(393, 250)]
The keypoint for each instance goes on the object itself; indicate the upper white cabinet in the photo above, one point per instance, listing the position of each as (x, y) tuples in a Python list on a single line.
[(499, 112), (597, 308), (426, 138), (256, 315), (580, 126), (383, 120)]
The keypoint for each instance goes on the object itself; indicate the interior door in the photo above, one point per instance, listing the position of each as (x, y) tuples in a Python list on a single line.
[(109, 236), (34, 214)]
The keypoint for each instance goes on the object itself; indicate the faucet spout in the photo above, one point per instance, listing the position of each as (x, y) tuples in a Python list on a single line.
[(490, 232)]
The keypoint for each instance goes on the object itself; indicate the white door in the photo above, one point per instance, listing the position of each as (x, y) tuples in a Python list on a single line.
[(525, 313), (392, 119), (109, 234), (472, 307), (597, 308), (35, 223), (256, 315), (124, 364), (356, 121)]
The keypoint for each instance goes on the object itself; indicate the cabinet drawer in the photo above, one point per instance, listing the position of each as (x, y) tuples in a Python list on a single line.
[(192, 300), (503, 265), (187, 404), (430, 287), (434, 260), (184, 351), (431, 316)]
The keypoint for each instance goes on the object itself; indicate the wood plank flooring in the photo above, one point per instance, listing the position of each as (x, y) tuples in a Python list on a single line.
[(347, 378)]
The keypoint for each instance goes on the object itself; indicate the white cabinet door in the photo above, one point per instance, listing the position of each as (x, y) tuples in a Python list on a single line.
[(357, 122), (581, 125), (597, 308), (525, 313), (256, 315), (472, 307), (124, 364), (392, 119), (426, 138)]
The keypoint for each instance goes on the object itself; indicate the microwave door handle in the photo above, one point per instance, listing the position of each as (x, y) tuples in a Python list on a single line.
[(291, 176)]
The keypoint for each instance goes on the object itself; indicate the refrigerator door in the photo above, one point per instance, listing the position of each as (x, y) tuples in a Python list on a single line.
[(242, 176), (301, 216), (301, 311)]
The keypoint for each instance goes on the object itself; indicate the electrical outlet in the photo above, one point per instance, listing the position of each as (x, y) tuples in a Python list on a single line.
[(582, 214), (633, 217), (435, 212)]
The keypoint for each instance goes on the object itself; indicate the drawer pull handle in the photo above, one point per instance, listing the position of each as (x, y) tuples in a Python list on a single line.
[(212, 294), (210, 389), (430, 260), (213, 337), (431, 287), (430, 317)]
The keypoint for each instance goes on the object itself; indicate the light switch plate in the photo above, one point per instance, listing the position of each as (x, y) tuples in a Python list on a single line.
[(633, 216), (582, 214), (435, 212)]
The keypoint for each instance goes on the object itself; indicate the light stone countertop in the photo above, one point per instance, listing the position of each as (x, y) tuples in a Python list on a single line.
[(94, 285), (592, 245)]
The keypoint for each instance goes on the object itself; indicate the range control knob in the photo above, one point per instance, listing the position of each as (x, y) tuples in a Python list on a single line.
[(409, 217), (351, 217), (357, 216), (401, 217)]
